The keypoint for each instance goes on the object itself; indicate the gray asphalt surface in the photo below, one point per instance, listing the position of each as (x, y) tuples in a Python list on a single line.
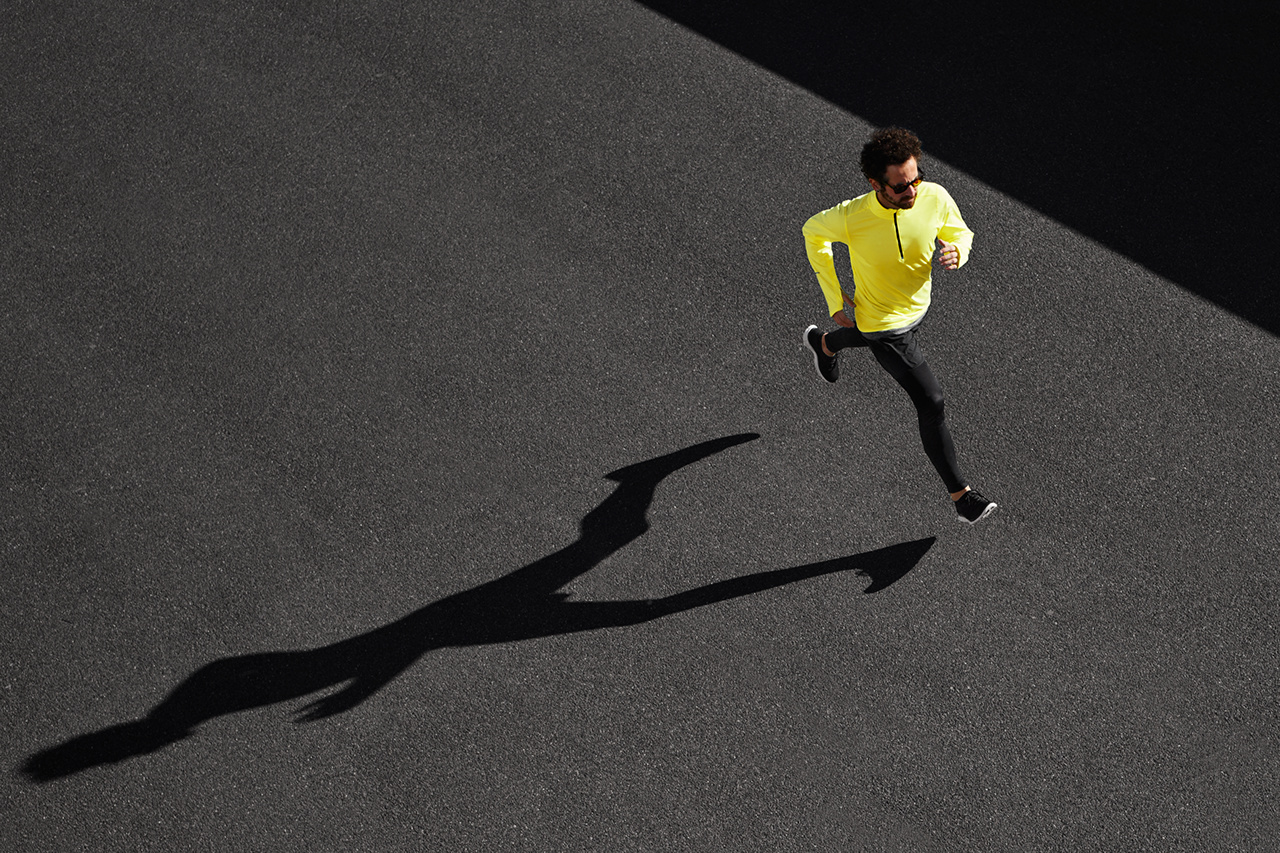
[(323, 328)]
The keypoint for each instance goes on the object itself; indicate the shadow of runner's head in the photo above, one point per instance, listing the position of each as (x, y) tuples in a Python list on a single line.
[(522, 605), (109, 746)]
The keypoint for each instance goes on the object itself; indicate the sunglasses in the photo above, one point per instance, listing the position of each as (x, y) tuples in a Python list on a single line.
[(901, 188)]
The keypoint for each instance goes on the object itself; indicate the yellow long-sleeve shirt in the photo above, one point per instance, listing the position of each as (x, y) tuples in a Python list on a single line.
[(890, 251)]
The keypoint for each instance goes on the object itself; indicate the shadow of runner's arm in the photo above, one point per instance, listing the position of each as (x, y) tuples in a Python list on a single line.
[(361, 688), (521, 605)]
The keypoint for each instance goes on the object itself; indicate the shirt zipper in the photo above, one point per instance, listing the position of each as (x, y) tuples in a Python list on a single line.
[(898, 234)]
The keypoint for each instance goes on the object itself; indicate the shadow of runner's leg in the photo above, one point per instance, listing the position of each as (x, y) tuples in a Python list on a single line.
[(884, 566), (521, 605), (618, 521)]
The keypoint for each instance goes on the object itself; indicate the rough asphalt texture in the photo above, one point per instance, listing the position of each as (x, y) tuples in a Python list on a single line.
[(324, 324)]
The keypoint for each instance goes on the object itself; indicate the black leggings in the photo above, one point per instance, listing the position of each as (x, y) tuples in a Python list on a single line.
[(900, 356)]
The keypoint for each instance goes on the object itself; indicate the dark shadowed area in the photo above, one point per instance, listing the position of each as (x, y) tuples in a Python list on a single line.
[(1149, 127), (407, 444)]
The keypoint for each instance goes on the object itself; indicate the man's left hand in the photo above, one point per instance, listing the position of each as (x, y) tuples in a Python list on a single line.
[(949, 255)]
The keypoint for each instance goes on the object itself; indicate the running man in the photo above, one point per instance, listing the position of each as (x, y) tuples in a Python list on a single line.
[(891, 234)]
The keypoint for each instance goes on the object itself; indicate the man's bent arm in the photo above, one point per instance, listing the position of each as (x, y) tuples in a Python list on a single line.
[(954, 230), (820, 232)]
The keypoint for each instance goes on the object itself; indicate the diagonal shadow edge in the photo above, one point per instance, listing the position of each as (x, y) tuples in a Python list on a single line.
[(1041, 103), (521, 605)]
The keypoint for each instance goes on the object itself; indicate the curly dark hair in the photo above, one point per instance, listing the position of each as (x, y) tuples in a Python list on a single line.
[(888, 147)]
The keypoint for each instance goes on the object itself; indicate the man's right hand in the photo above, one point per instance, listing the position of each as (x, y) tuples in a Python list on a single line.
[(842, 319)]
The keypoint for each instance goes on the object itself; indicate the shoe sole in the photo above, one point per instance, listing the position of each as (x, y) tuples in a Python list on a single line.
[(804, 342), (991, 507)]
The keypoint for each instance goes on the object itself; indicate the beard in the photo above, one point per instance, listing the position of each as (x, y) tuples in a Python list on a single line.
[(897, 204)]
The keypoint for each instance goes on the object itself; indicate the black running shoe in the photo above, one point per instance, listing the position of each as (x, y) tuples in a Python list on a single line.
[(973, 507), (828, 366)]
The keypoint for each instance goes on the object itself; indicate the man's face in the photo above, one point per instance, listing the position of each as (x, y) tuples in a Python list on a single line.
[(899, 176)]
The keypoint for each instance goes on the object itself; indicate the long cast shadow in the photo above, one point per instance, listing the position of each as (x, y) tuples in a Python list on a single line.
[(522, 605)]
